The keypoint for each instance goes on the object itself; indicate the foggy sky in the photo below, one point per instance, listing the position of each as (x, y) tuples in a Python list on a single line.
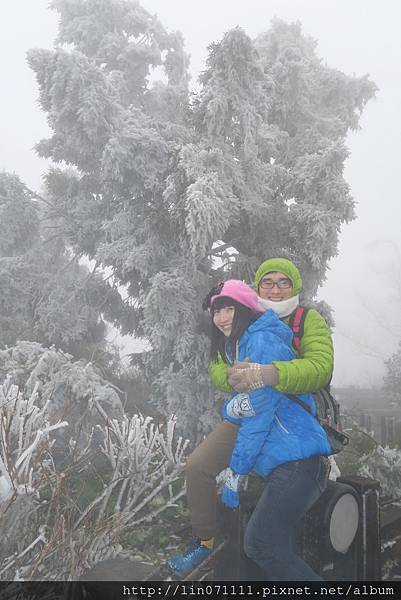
[(357, 37)]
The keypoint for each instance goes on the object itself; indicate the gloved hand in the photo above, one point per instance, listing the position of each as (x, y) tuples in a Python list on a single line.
[(247, 376), (230, 496), (240, 406)]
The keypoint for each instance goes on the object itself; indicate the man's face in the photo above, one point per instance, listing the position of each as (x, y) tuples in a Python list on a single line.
[(275, 286)]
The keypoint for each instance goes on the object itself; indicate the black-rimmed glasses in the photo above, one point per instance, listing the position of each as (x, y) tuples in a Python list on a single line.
[(282, 284)]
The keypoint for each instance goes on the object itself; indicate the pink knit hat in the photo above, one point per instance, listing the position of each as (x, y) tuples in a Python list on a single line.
[(241, 292)]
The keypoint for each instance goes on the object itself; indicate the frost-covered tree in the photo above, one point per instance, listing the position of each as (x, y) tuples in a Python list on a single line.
[(161, 182), (46, 295)]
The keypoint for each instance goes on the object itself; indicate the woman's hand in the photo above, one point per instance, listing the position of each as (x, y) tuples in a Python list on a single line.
[(230, 495), (247, 376)]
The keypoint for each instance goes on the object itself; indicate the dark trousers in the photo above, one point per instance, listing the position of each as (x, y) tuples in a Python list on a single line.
[(271, 534)]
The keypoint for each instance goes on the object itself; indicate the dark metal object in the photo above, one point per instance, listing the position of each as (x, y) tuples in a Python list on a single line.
[(369, 557)]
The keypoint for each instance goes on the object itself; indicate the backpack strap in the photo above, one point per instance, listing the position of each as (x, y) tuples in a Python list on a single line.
[(305, 406), (297, 322)]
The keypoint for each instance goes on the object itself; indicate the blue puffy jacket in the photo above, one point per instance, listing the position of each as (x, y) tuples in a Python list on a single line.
[(278, 430)]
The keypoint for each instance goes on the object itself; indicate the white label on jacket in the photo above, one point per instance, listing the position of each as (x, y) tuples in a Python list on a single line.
[(240, 406)]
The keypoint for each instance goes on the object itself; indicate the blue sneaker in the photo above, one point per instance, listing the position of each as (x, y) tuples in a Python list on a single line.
[(194, 555)]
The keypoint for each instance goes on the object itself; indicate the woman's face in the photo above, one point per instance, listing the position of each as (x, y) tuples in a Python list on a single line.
[(223, 319), (275, 286)]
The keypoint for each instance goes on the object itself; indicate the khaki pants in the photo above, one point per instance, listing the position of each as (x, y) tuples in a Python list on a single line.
[(206, 461)]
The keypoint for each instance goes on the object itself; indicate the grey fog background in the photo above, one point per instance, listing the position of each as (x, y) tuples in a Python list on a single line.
[(358, 37)]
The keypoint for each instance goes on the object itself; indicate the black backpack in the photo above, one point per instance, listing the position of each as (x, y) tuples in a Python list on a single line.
[(327, 407)]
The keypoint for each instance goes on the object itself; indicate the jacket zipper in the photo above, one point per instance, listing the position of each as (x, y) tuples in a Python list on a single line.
[(280, 423)]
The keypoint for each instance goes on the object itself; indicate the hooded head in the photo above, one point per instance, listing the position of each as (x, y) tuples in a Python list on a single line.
[(281, 265), (241, 292), (233, 306)]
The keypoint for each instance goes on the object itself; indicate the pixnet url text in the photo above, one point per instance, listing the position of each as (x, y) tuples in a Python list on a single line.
[(180, 590)]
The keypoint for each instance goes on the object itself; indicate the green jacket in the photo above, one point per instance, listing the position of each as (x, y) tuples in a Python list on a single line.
[(310, 371)]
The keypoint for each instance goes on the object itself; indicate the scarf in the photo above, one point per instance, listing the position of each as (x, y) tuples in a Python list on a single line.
[(282, 308)]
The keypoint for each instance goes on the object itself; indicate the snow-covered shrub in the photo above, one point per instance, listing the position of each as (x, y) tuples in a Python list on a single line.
[(71, 390), (364, 456), (59, 376), (383, 464), (361, 444), (61, 517)]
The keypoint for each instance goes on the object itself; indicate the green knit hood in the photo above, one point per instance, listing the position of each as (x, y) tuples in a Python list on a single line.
[(283, 266)]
